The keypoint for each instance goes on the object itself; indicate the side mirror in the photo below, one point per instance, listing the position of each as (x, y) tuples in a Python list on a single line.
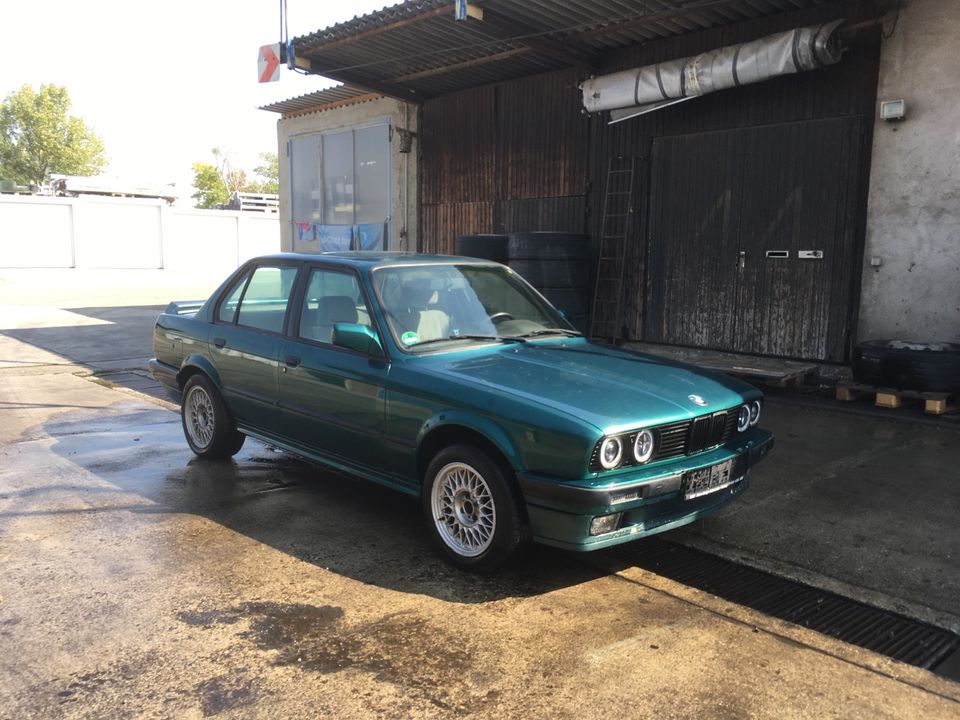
[(355, 336), (563, 313)]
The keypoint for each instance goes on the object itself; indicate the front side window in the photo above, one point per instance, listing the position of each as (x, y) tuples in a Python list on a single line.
[(264, 302), (332, 297), (459, 304)]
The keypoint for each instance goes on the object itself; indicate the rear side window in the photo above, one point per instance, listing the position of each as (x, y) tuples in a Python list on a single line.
[(228, 308), (264, 303)]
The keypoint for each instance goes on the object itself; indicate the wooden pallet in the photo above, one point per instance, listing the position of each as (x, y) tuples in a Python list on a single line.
[(772, 372), (782, 377), (933, 403)]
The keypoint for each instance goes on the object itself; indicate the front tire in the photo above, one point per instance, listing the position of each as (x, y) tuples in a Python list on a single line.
[(472, 513), (207, 424)]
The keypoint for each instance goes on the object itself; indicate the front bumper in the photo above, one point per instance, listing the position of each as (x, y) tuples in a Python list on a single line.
[(650, 499)]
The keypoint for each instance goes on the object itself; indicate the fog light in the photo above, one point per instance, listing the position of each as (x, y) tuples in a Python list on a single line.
[(604, 524)]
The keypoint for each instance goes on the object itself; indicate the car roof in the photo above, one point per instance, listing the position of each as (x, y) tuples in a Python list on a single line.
[(374, 259)]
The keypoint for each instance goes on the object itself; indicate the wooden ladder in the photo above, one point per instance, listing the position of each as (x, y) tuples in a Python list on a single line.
[(606, 319)]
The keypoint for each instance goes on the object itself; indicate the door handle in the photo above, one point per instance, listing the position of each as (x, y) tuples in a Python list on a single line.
[(219, 342), (291, 361), (741, 260)]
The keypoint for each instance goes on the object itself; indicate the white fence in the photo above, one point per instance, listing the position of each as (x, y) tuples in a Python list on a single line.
[(128, 233)]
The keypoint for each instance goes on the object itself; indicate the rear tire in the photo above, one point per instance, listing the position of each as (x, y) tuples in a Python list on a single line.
[(472, 513), (207, 424)]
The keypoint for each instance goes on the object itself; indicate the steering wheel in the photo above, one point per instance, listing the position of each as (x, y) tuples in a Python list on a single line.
[(500, 317)]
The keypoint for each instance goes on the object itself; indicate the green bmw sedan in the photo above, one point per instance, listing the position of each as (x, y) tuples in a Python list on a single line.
[(453, 380)]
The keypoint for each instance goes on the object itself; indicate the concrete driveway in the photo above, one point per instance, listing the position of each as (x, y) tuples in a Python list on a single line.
[(138, 581)]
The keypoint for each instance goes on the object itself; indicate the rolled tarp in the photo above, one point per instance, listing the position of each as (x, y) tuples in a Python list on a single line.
[(634, 92)]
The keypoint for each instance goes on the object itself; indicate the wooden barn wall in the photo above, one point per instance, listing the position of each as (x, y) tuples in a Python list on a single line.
[(508, 157), (520, 155), (845, 89)]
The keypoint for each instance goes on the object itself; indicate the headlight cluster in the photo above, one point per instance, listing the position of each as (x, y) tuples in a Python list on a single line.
[(675, 439), (641, 444), (749, 415)]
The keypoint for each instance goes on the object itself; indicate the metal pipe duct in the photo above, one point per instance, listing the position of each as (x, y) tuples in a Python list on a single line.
[(634, 92)]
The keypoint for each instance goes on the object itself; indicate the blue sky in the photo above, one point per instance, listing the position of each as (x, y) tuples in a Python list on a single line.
[(163, 82)]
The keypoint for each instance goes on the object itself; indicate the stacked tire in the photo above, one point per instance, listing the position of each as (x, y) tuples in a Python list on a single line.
[(907, 365), (558, 265)]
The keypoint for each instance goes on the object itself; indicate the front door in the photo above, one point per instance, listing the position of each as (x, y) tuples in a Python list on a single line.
[(332, 398)]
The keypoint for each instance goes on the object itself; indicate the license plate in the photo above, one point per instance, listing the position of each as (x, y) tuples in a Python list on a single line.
[(707, 480)]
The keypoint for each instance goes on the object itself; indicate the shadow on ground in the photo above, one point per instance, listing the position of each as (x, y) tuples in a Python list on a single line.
[(115, 349), (330, 520)]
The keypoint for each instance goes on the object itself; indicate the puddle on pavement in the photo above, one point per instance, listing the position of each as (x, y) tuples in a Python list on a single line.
[(207, 618), (224, 693), (401, 649)]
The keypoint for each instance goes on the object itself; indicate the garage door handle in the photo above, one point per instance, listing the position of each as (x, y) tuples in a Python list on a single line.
[(291, 361), (219, 342)]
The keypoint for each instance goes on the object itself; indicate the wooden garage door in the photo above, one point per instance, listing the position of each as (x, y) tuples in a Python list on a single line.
[(752, 238)]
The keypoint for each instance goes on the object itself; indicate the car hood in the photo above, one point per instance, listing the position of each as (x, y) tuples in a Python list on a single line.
[(609, 388)]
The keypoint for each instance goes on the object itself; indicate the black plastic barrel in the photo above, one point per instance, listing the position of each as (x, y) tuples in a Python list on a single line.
[(486, 246), (558, 265)]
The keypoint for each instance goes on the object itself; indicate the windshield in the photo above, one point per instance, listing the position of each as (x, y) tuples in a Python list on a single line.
[(430, 306)]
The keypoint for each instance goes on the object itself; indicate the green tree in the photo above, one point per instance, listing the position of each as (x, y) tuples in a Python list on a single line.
[(38, 137), (211, 190), (269, 174), (234, 179), (215, 182)]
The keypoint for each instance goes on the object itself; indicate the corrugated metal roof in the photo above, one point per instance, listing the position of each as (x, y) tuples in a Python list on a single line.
[(416, 49), (321, 99)]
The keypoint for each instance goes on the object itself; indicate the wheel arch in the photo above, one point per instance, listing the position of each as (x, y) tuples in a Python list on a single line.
[(460, 432), (198, 364)]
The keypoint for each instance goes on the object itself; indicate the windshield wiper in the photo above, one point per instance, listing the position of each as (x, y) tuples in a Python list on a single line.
[(551, 331), (489, 338)]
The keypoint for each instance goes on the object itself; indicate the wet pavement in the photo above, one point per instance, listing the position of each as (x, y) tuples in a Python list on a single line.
[(139, 581), (866, 507)]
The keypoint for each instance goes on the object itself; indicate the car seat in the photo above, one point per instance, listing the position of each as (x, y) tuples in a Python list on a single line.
[(330, 310)]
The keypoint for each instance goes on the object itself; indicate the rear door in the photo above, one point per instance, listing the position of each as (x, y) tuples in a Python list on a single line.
[(246, 339)]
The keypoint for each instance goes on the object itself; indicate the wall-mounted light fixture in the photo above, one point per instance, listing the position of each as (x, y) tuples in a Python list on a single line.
[(893, 110)]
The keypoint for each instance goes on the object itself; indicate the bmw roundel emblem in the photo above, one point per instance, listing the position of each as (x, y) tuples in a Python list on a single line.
[(697, 400)]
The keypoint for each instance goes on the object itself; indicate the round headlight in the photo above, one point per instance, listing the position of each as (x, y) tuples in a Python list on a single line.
[(743, 418), (610, 453), (643, 446), (754, 412)]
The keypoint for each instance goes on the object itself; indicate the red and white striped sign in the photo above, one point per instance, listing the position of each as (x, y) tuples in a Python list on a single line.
[(268, 63)]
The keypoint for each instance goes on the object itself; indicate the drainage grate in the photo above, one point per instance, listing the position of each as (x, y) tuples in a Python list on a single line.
[(910, 641)]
